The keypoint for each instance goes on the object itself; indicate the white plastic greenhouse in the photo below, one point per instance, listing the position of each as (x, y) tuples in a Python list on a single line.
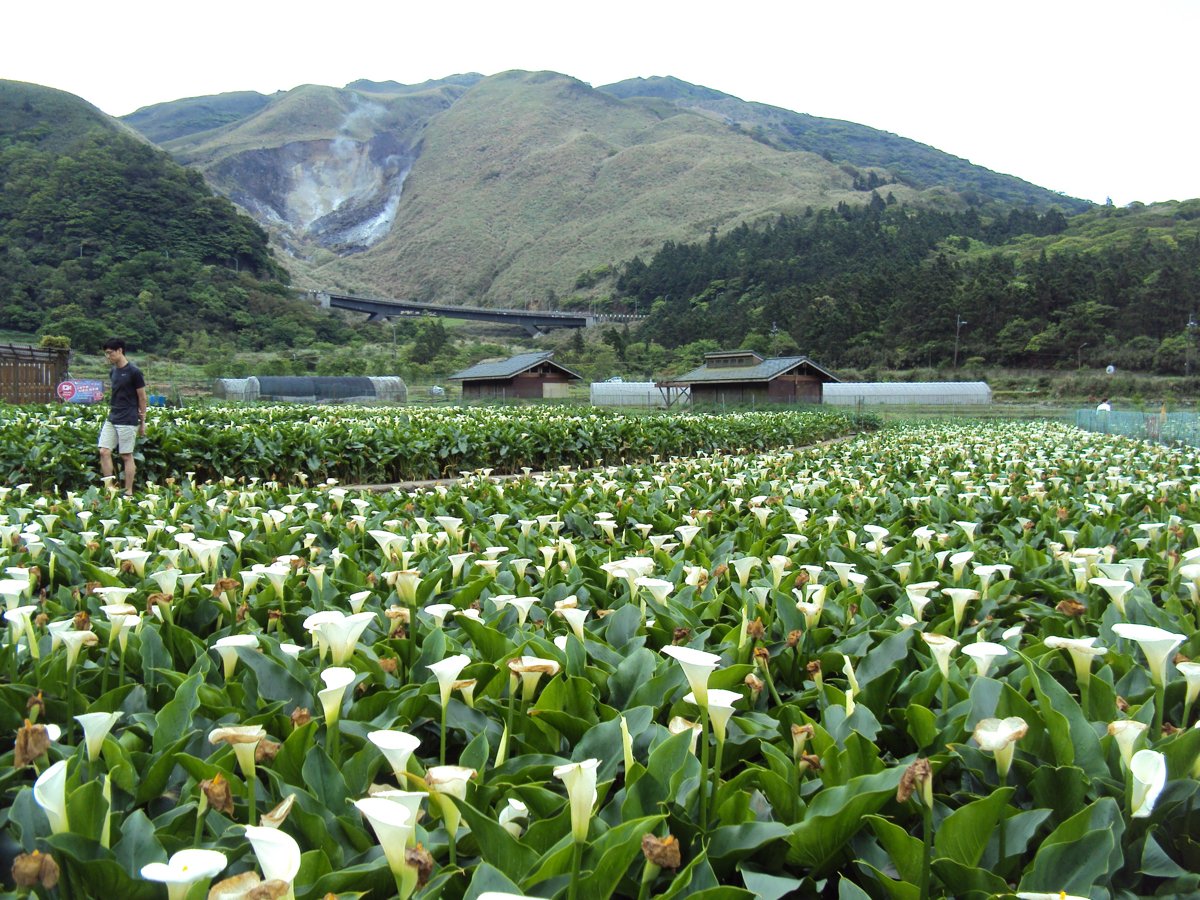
[(896, 393), (627, 393), (316, 389)]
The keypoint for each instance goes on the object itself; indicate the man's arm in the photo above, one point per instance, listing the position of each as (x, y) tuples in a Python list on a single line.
[(141, 395)]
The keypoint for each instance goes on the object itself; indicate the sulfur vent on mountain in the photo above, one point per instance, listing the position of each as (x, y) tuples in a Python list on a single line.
[(505, 188)]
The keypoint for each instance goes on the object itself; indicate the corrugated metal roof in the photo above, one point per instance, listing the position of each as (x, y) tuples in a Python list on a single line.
[(764, 371), (509, 368)]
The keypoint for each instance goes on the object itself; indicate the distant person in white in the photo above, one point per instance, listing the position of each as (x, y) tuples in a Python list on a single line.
[(1104, 406)]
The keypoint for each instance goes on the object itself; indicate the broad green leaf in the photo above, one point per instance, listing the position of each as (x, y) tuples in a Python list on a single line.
[(963, 835), (906, 851), (836, 814), (174, 720), (1073, 867)]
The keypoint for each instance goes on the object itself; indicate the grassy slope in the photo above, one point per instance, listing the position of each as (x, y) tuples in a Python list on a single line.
[(531, 178), (26, 107), (918, 164), (165, 122)]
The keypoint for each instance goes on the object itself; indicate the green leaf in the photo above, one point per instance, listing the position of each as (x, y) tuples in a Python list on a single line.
[(139, 844), (1071, 734), (922, 725), (968, 881), (175, 719), (907, 852), (488, 878), (767, 886), (835, 816), (963, 835), (324, 780), (740, 841), (1072, 867), (86, 809)]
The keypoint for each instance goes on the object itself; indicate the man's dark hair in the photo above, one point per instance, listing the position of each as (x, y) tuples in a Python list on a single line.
[(114, 344)]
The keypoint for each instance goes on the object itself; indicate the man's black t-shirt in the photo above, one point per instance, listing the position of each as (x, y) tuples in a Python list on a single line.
[(123, 404)]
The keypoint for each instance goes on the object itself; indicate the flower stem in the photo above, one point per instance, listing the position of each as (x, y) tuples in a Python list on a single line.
[(442, 739), (716, 773), (703, 787), (927, 854), (576, 865), (1159, 701)]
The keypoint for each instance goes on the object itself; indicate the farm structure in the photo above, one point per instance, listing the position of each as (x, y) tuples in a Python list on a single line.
[(31, 374), (526, 376), (630, 393), (315, 389), (742, 376), (900, 393)]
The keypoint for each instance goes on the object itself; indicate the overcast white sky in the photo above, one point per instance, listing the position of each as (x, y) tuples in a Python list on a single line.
[(1095, 99)]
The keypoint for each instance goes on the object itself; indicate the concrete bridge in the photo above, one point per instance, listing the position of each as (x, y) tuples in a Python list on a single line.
[(534, 321)]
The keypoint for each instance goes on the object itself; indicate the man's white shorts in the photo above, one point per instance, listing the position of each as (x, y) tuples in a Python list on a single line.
[(118, 437)]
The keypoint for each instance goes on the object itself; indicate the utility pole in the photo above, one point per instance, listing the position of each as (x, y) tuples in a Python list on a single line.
[(959, 322)]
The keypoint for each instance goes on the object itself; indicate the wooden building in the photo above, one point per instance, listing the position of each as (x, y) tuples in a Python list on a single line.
[(31, 374), (527, 376), (742, 377)]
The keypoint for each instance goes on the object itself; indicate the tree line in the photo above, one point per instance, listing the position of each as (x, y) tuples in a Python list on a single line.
[(887, 285)]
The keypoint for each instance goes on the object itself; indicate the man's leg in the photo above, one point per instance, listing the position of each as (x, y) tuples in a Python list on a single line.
[(106, 463), (130, 468), (108, 443)]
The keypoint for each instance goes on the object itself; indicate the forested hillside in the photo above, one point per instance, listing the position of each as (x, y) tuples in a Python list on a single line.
[(886, 285), (102, 234)]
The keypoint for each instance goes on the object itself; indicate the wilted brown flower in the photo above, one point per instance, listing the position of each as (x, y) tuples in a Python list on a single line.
[(814, 669), (266, 751), (802, 578), (420, 859), (917, 779), (1062, 513), (276, 817), (762, 656), (297, 563), (1072, 608), (158, 599), (372, 579), (216, 790), (301, 717), (755, 684), (389, 664), (662, 852), (756, 630), (32, 869), (681, 636), (41, 620), (810, 761), (242, 612), (222, 585), (32, 741), (720, 570), (1168, 728), (83, 622), (793, 638), (35, 706)]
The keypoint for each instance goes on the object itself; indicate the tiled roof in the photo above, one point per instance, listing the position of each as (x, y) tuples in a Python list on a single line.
[(508, 368), (764, 371)]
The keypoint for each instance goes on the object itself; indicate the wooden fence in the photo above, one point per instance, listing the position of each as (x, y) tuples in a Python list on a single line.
[(31, 374)]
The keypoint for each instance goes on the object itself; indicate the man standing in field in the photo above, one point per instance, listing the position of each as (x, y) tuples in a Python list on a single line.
[(127, 412)]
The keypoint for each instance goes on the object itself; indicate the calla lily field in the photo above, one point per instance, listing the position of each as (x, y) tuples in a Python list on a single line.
[(662, 656)]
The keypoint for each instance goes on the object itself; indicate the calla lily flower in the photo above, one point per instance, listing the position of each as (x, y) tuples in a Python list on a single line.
[(1149, 771), (1082, 651), (743, 566), (277, 852), (575, 618), (226, 648), (96, 727), (397, 748), (959, 598), (341, 635), (1156, 643), (447, 784), (76, 641), (244, 740), (580, 781), (394, 827), (512, 815), (697, 666), (941, 647), (1127, 732), (984, 653), (337, 679), (50, 793), (531, 669), (720, 709), (999, 737), (447, 671), (1116, 590), (184, 869)]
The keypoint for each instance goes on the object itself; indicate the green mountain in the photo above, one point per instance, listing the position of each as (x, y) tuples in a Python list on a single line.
[(103, 234), (516, 188)]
